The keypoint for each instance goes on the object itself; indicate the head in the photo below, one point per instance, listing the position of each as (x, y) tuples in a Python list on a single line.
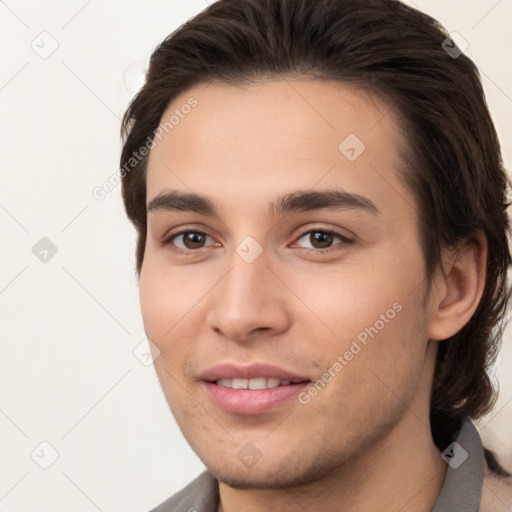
[(263, 108)]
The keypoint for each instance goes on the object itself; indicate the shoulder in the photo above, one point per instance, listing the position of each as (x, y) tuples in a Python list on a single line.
[(496, 492), (200, 495)]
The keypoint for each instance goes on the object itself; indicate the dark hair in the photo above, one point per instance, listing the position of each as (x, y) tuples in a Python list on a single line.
[(455, 170)]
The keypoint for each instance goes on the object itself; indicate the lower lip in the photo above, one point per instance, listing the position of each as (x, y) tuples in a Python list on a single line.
[(251, 401)]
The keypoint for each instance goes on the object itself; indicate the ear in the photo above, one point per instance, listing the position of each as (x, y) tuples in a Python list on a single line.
[(458, 287)]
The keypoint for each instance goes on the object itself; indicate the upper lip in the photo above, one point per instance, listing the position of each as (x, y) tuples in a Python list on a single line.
[(252, 371)]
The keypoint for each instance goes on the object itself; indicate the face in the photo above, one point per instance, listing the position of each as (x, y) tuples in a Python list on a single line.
[(296, 273)]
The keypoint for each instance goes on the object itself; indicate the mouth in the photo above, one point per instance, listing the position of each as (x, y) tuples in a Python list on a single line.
[(256, 383), (251, 390)]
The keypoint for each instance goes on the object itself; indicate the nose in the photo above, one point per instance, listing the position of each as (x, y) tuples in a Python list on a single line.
[(248, 300)]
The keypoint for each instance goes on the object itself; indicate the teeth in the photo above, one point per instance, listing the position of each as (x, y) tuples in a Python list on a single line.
[(257, 383), (273, 383), (239, 383)]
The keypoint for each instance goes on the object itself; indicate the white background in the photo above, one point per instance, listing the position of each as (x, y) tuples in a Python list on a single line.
[(69, 326)]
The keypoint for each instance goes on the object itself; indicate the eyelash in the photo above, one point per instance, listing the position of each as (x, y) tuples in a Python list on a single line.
[(345, 240)]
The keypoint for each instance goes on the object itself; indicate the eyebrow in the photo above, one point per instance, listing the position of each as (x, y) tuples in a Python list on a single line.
[(297, 201)]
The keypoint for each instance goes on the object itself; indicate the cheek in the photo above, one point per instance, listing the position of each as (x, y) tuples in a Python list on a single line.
[(167, 295), (371, 316), (356, 300), (171, 298), (164, 305), (375, 378), (153, 302)]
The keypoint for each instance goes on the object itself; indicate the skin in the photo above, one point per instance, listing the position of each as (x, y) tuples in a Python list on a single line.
[(364, 440)]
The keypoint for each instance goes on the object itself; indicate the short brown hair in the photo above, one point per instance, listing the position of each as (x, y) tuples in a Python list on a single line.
[(455, 167)]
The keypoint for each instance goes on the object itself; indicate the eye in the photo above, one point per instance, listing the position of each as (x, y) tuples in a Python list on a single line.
[(188, 240), (322, 239)]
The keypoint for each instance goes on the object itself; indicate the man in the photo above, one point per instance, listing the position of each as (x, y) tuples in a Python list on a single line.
[(320, 204)]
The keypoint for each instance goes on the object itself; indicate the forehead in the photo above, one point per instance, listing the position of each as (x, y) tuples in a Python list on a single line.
[(274, 136)]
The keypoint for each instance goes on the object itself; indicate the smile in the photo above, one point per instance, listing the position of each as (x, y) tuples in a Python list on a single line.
[(256, 383), (252, 389)]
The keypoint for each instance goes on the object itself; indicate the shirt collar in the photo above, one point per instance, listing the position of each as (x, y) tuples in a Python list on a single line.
[(462, 488)]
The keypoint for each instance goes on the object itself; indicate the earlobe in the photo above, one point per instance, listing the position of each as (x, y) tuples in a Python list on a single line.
[(458, 287)]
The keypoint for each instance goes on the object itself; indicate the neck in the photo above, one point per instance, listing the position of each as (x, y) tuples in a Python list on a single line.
[(403, 471)]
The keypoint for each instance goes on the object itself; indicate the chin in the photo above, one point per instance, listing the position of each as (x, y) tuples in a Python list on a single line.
[(267, 475)]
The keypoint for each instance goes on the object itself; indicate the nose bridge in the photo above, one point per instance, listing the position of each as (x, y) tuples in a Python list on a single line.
[(246, 281), (248, 296)]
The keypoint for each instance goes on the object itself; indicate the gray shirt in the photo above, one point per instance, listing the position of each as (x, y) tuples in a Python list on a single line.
[(461, 491)]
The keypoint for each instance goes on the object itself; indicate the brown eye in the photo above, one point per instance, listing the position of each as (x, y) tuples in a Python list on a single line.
[(188, 240), (193, 240), (320, 239)]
